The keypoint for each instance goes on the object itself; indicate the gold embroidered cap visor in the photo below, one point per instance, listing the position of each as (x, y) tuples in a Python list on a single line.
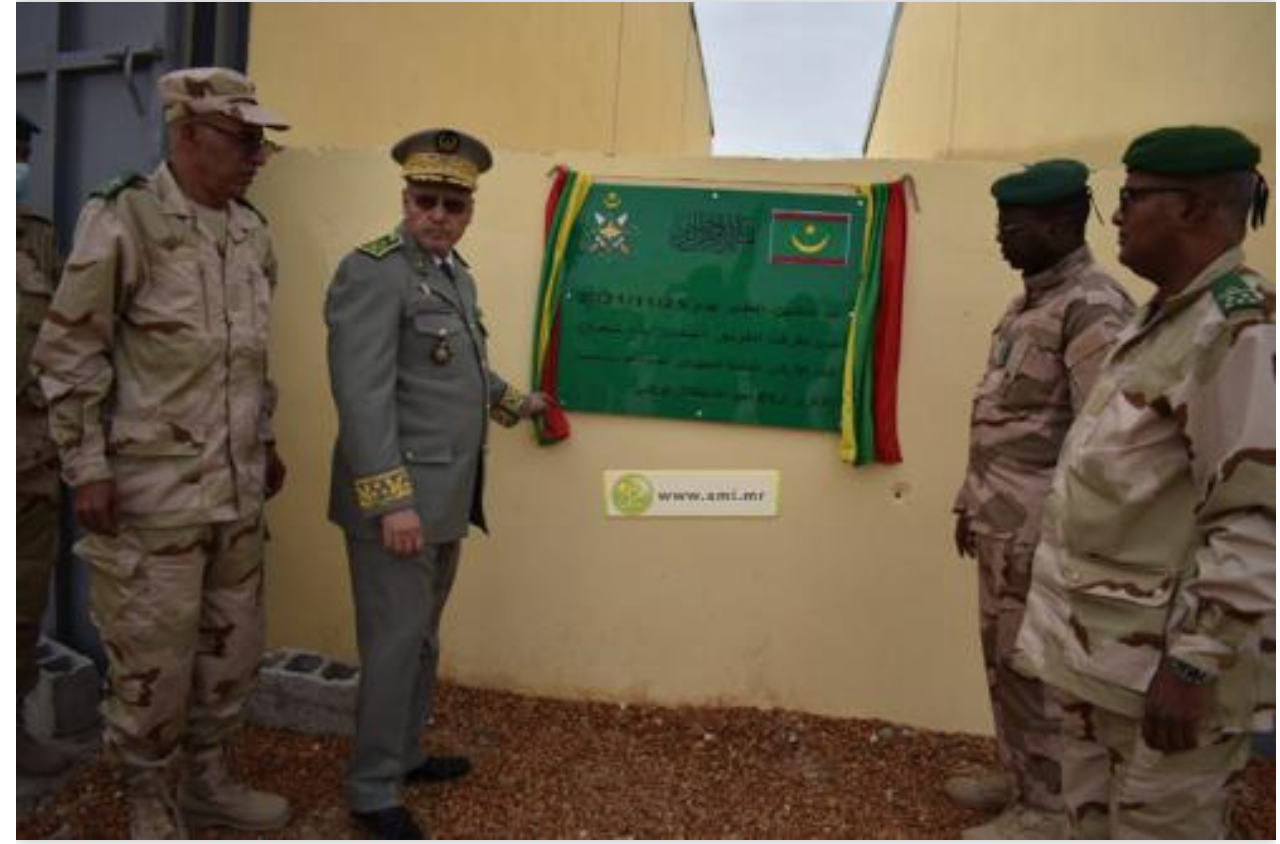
[(442, 156), (196, 91), (436, 168)]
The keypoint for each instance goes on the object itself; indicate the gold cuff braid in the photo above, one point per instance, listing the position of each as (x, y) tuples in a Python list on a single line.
[(376, 491), (507, 411)]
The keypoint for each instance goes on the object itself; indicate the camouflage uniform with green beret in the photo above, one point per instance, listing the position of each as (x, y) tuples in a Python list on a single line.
[(409, 371), (1154, 580), (153, 359), (1045, 354)]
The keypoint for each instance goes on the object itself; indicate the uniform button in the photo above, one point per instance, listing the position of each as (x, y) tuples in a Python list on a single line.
[(409, 454)]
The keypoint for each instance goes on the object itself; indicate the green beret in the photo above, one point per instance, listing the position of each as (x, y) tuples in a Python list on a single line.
[(1042, 183), (1192, 151)]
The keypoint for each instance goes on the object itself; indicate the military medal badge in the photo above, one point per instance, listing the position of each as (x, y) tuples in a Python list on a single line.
[(442, 354)]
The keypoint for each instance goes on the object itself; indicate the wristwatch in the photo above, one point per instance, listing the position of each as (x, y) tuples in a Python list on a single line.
[(1187, 673)]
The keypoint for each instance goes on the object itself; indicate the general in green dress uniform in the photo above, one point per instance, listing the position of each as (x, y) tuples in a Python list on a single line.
[(411, 380)]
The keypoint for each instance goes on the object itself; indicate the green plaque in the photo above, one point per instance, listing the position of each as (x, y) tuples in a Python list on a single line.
[(721, 305)]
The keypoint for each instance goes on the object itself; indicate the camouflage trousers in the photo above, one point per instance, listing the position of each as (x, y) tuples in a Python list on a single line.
[(1027, 713), (37, 553), (180, 614), (1115, 786)]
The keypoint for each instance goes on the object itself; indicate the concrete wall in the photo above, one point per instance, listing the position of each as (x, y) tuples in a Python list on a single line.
[(1020, 81), (851, 602), (615, 77)]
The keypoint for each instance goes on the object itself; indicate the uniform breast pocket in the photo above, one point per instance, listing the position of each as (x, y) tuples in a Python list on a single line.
[(172, 298), (1033, 375), (437, 340)]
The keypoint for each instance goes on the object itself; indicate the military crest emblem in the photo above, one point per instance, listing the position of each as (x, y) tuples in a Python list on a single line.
[(609, 229), (447, 142)]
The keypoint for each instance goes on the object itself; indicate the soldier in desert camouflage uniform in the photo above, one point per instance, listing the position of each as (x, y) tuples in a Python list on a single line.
[(154, 361), (1045, 354), (1153, 600), (37, 484)]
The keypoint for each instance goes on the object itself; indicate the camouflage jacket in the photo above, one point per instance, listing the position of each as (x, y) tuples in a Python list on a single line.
[(1045, 354), (37, 274), (154, 355), (1159, 533), (409, 371)]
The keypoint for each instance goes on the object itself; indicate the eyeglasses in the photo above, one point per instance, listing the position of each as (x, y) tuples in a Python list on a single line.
[(427, 202), (1129, 195), (251, 144)]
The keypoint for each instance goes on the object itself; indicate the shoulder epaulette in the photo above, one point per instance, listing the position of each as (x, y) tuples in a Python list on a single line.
[(1233, 293), (247, 204), (382, 247), (118, 185)]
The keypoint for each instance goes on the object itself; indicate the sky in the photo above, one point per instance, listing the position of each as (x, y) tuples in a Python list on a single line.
[(792, 80)]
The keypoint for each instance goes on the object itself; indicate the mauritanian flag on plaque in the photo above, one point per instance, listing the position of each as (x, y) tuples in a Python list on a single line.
[(823, 238)]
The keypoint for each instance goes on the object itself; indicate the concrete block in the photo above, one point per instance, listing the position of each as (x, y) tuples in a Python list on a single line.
[(305, 692), (64, 703)]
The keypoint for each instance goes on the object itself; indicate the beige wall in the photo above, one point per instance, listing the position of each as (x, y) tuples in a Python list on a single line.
[(1020, 81), (851, 602), (614, 77)]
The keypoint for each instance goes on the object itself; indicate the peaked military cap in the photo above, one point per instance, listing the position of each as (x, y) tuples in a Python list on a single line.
[(1042, 183), (1192, 151), (444, 156), (194, 91), (26, 127)]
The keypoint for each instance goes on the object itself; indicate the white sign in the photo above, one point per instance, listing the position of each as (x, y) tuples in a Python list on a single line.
[(658, 493)]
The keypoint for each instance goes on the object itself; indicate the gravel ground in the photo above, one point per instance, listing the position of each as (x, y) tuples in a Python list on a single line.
[(564, 770)]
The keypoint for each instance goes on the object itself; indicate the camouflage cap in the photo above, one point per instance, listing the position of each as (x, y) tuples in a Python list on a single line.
[(1192, 151), (194, 91), (1042, 183), (442, 155)]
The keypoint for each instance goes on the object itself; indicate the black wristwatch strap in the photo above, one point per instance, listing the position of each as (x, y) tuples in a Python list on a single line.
[(1186, 672)]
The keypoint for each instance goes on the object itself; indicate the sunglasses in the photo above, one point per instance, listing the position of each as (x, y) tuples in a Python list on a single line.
[(427, 202), (251, 144)]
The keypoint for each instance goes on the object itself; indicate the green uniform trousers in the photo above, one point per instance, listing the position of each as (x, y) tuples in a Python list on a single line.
[(1116, 786), (180, 614), (399, 603), (37, 552)]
